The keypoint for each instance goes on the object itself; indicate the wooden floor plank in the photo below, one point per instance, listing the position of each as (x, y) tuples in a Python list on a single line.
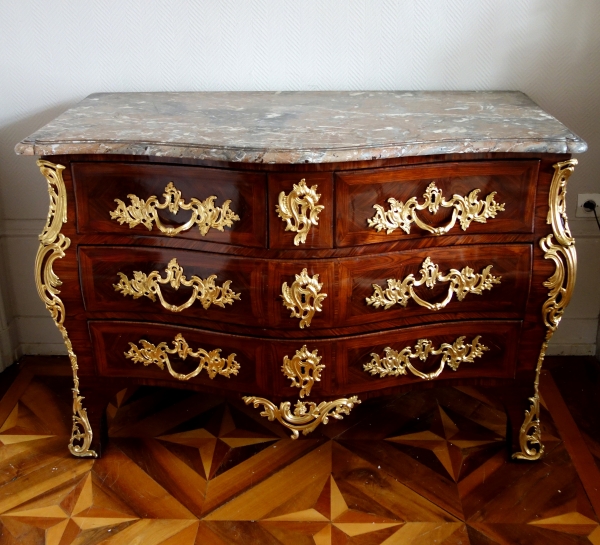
[(14, 393), (186, 468), (580, 455)]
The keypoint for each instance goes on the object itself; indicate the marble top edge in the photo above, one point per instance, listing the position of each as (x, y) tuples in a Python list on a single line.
[(570, 143), (293, 127)]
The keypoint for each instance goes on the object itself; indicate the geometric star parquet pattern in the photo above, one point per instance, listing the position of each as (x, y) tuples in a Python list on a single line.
[(184, 468)]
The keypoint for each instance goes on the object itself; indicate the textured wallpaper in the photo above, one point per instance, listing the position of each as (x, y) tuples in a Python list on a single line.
[(52, 54)]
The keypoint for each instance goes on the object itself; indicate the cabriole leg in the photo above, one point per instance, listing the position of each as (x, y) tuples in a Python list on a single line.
[(560, 286), (53, 245)]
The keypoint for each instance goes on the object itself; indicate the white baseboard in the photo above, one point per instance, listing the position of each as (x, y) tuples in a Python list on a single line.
[(588, 349), (41, 349), (8, 346), (21, 228), (38, 336)]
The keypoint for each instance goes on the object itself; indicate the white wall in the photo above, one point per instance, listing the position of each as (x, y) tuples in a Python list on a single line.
[(52, 54)]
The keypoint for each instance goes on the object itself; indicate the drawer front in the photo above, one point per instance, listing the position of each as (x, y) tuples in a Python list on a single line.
[(162, 352), (383, 360), (215, 287), (463, 281), (301, 210), (399, 288), (431, 200), (346, 365), (176, 202)]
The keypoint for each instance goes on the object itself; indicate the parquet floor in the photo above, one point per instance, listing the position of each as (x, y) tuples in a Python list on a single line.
[(184, 468)]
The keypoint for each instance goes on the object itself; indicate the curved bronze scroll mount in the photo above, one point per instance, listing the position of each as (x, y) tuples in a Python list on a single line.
[(303, 369), (560, 286), (300, 210), (204, 213), (211, 361), (303, 297), (204, 291), (306, 415), (464, 209), (395, 363), (53, 245), (461, 283)]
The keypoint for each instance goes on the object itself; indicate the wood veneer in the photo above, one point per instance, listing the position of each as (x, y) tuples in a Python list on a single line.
[(99, 184), (263, 256), (514, 182)]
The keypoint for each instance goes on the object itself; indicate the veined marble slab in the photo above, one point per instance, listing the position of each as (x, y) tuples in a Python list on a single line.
[(303, 127)]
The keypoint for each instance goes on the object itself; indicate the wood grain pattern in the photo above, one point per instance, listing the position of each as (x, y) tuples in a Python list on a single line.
[(100, 267), (99, 184), (196, 469), (260, 359), (542, 269), (260, 257), (347, 283), (357, 192), (583, 460), (507, 299)]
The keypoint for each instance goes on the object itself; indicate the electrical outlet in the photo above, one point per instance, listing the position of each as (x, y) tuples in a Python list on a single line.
[(581, 211)]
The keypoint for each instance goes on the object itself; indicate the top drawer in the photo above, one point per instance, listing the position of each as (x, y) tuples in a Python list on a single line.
[(427, 200), (168, 200)]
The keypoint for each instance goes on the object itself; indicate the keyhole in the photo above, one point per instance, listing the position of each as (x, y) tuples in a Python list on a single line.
[(303, 298)]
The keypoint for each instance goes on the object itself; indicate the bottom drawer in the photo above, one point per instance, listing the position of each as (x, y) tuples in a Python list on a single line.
[(482, 349), (320, 367)]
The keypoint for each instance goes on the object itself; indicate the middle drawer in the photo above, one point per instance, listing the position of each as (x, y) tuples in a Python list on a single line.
[(399, 288)]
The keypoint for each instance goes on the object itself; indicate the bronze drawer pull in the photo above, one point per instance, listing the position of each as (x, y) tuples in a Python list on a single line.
[(204, 213), (465, 210), (159, 355), (394, 363), (299, 210), (205, 291), (461, 282)]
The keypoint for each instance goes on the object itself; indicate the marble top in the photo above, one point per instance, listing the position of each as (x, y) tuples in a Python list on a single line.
[(303, 126)]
